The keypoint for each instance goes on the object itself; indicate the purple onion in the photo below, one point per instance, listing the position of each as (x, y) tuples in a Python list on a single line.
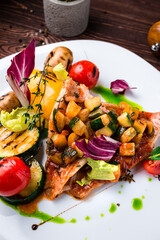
[(99, 148), (21, 67), (119, 86)]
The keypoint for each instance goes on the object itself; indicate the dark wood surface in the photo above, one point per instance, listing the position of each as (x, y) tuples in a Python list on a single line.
[(123, 22)]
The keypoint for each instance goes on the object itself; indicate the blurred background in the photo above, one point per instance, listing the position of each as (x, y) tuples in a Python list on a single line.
[(123, 22)]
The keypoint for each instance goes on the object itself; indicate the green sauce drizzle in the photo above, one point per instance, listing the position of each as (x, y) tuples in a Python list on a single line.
[(37, 214), (119, 192), (137, 204), (113, 208), (87, 218), (110, 97), (102, 215), (149, 179), (122, 186)]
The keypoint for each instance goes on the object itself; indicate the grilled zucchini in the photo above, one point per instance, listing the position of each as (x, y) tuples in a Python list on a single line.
[(33, 189), (24, 144)]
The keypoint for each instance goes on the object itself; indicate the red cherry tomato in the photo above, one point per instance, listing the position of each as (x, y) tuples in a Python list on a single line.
[(14, 176), (85, 72), (152, 167)]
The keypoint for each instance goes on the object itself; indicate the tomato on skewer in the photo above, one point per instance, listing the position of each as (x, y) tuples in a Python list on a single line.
[(85, 72)]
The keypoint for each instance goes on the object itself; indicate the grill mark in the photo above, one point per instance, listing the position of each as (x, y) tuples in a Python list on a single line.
[(5, 95), (20, 142), (68, 64), (62, 58), (94, 72), (11, 141), (1, 99), (51, 54), (8, 136)]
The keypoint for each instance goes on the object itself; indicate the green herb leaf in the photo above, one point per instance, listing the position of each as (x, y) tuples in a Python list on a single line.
[(155, 154)]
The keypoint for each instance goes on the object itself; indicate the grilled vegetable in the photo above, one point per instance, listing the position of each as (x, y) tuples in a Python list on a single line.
[(120, 130), (33, 189), (72, 110), (140, 125), (99, 122), (59, 120), (59, 140), (57, 55), (96, 113), (69, 155), (104, 131), (72, 137), (92, 103), (127, 149), (150, 129), (24, 144), (125, 120), (84, 114), (112, 126), (128, 135), (77, 126), (8, 102), (113, 116)]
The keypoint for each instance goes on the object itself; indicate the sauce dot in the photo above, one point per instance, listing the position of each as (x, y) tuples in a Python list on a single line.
[(113, 208), (87, 218), (122, 186), (143, 197), (149, 179), (119, 192), (102, 215), (34, 227), (137, 204), (73, 220)]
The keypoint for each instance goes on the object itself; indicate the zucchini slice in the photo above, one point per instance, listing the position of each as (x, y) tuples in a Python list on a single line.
[(77, 126), (59, 120), (113, 116), (24, 144), (125, 120), (120, 130), (96, 113), (92, 103), (99, 122), (69, 155), (73, 122), (33, 189)]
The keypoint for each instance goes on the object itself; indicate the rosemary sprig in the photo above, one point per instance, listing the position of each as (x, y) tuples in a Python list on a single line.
[(37, 116)]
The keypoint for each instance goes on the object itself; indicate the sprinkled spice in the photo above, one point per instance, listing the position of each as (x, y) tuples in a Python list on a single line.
[(118, 204), (113, 208), (87, 218), (128, 177)]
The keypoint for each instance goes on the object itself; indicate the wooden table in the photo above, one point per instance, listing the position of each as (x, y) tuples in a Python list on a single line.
[(123, 22)]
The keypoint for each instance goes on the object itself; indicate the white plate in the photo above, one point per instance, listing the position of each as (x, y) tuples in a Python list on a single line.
[(114, 62)]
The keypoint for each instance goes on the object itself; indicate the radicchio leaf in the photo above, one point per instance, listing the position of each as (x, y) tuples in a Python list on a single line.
[(21, 67), (99, 148), (119, 86)]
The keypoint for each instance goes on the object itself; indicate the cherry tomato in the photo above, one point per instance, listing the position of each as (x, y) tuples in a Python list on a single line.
[(14, 176), (85, 72), (152, 167)]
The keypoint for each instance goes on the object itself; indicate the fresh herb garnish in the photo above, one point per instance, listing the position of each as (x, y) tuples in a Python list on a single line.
[(155, 154)]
